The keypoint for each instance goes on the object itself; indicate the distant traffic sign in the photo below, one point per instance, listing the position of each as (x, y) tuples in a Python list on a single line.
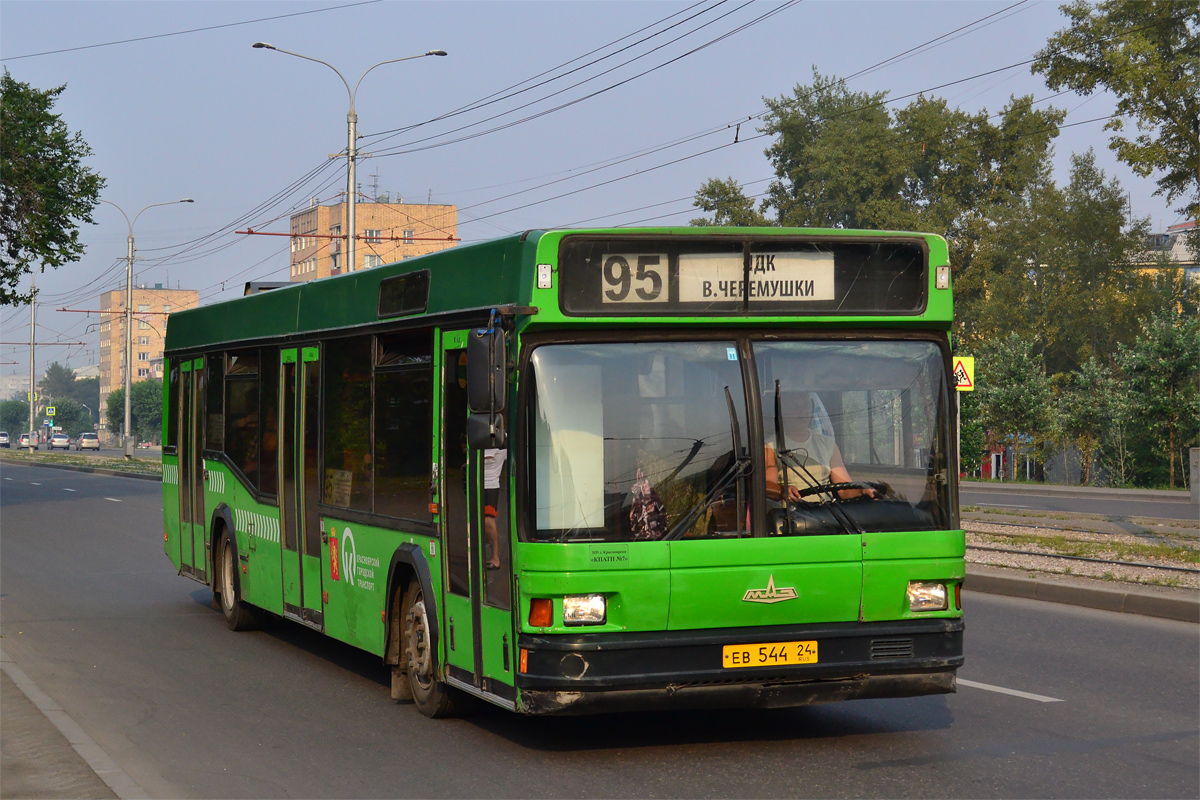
[(964, 373), (49, 411)]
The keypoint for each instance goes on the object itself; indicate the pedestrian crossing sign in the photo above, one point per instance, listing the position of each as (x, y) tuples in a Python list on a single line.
[(964, 373)]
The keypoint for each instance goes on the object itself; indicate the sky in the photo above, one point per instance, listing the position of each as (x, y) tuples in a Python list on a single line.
[(593, 113)]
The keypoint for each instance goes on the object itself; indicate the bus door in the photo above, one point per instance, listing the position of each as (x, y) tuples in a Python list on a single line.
[(193, 528), (296, 428), (476, 541)]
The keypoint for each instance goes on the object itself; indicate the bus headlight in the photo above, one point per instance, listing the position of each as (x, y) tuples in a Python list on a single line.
[(927, 596), (583, 609)]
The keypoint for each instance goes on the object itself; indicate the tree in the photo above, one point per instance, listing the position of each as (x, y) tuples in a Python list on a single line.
[(146, 409), (728, 203), (72, 417), (14, 416), (1014, 395), (45, 189), (58, 382), (1144, 52), (1163, 372), (1086, 408)]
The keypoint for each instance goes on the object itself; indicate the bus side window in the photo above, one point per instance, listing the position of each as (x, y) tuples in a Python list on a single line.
[(214, 435), (403, 425)]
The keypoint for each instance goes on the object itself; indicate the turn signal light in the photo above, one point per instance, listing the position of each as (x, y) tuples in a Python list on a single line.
[(540, 612), (958, 596)]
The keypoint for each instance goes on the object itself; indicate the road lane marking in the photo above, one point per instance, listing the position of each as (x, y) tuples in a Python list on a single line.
[(34, 483), (68, 490), (8, 479), (115, 500), (987, 687)]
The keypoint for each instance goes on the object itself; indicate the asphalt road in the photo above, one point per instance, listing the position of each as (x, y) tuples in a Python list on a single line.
[(95, 615), (1084, 504)]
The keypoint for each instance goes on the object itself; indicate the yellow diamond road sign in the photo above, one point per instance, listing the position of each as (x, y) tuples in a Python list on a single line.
[(964, 373)]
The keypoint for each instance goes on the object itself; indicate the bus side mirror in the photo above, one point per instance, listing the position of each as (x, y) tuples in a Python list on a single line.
[(487, 391)]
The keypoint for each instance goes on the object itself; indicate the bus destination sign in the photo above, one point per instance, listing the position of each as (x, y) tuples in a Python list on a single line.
[(627, 277), (707, 277)]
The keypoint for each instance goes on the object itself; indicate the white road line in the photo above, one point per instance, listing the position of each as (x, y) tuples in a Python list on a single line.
[(996, 505), (33, 483), (115, 500), (987, 687), (68, 490), (8, 479)]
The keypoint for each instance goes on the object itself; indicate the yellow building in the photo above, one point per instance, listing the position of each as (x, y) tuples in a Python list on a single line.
[(151, 308), (387, 232)]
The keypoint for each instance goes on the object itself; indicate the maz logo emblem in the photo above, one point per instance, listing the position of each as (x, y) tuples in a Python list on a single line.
[(770, 594)]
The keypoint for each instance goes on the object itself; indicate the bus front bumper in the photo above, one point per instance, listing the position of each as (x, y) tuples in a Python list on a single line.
[(590, 673)]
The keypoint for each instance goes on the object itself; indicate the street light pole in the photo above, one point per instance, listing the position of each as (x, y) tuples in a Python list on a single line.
[(351, 143), (129, 314)]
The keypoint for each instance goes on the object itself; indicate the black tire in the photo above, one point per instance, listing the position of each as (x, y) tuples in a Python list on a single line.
[(431, 697), (238, 617)]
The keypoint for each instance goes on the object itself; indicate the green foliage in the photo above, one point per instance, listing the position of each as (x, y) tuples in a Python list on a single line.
[(1086, 406), (1056, 268), (972, 434), (1145, 53), (728, 203), (145, 409), (72, 418), (58, 382), (1162, 369), (14, 417), (1014, 393), (45, 189)]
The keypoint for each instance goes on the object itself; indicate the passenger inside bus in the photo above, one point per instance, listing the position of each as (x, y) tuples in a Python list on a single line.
[(811, 449)]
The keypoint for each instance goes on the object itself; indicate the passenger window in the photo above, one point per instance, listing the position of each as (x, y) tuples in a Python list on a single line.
[(347, 373), (241, 412), (214, 436), (403, 425), (268, 459)]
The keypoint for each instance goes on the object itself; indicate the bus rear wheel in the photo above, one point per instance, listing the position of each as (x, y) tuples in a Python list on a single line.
[(431, 697), (237, 616)]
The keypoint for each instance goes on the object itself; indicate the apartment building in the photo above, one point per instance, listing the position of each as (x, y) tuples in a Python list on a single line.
[(387, 232), (152, 305)]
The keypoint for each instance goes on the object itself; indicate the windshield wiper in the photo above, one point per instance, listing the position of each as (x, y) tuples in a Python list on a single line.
[(733, 473)]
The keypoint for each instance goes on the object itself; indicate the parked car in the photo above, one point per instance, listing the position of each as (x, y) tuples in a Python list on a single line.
[(59, 440), (25, 440), (3, 438), (88, 441)]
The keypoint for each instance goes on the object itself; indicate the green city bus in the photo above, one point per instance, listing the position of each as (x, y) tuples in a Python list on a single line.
[(574, 471)]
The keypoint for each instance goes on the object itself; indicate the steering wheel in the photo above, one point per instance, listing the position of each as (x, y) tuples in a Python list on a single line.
[(881, 489)]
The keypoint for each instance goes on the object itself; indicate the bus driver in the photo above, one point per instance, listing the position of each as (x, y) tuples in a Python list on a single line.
[(809, 448)]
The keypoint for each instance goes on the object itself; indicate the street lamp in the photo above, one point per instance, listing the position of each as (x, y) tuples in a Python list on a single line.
[(129, 313), (351, 142)]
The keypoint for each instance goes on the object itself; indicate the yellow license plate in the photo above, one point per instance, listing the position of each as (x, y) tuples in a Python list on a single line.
[(768, 655)]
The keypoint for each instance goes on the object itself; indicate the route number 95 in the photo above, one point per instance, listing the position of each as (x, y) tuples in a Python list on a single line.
[(634, 279)]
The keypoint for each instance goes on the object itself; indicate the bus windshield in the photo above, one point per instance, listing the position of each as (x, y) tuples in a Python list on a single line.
[(636, 441)]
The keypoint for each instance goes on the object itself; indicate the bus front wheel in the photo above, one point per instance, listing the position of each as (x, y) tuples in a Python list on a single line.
[(237, 616), (431, 697)]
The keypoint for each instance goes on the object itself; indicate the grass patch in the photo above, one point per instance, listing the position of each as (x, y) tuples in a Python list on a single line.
[(143, 466), (1115, 551)]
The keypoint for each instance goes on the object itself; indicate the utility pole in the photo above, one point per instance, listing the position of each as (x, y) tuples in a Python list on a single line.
[(351, 141), (32, 342)]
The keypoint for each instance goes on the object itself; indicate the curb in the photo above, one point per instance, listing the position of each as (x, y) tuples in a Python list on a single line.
[(1163, 606), (1055, 490), (142, 476), (107, 770)]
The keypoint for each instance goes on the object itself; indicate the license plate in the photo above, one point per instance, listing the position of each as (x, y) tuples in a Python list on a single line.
[(768, 655)]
